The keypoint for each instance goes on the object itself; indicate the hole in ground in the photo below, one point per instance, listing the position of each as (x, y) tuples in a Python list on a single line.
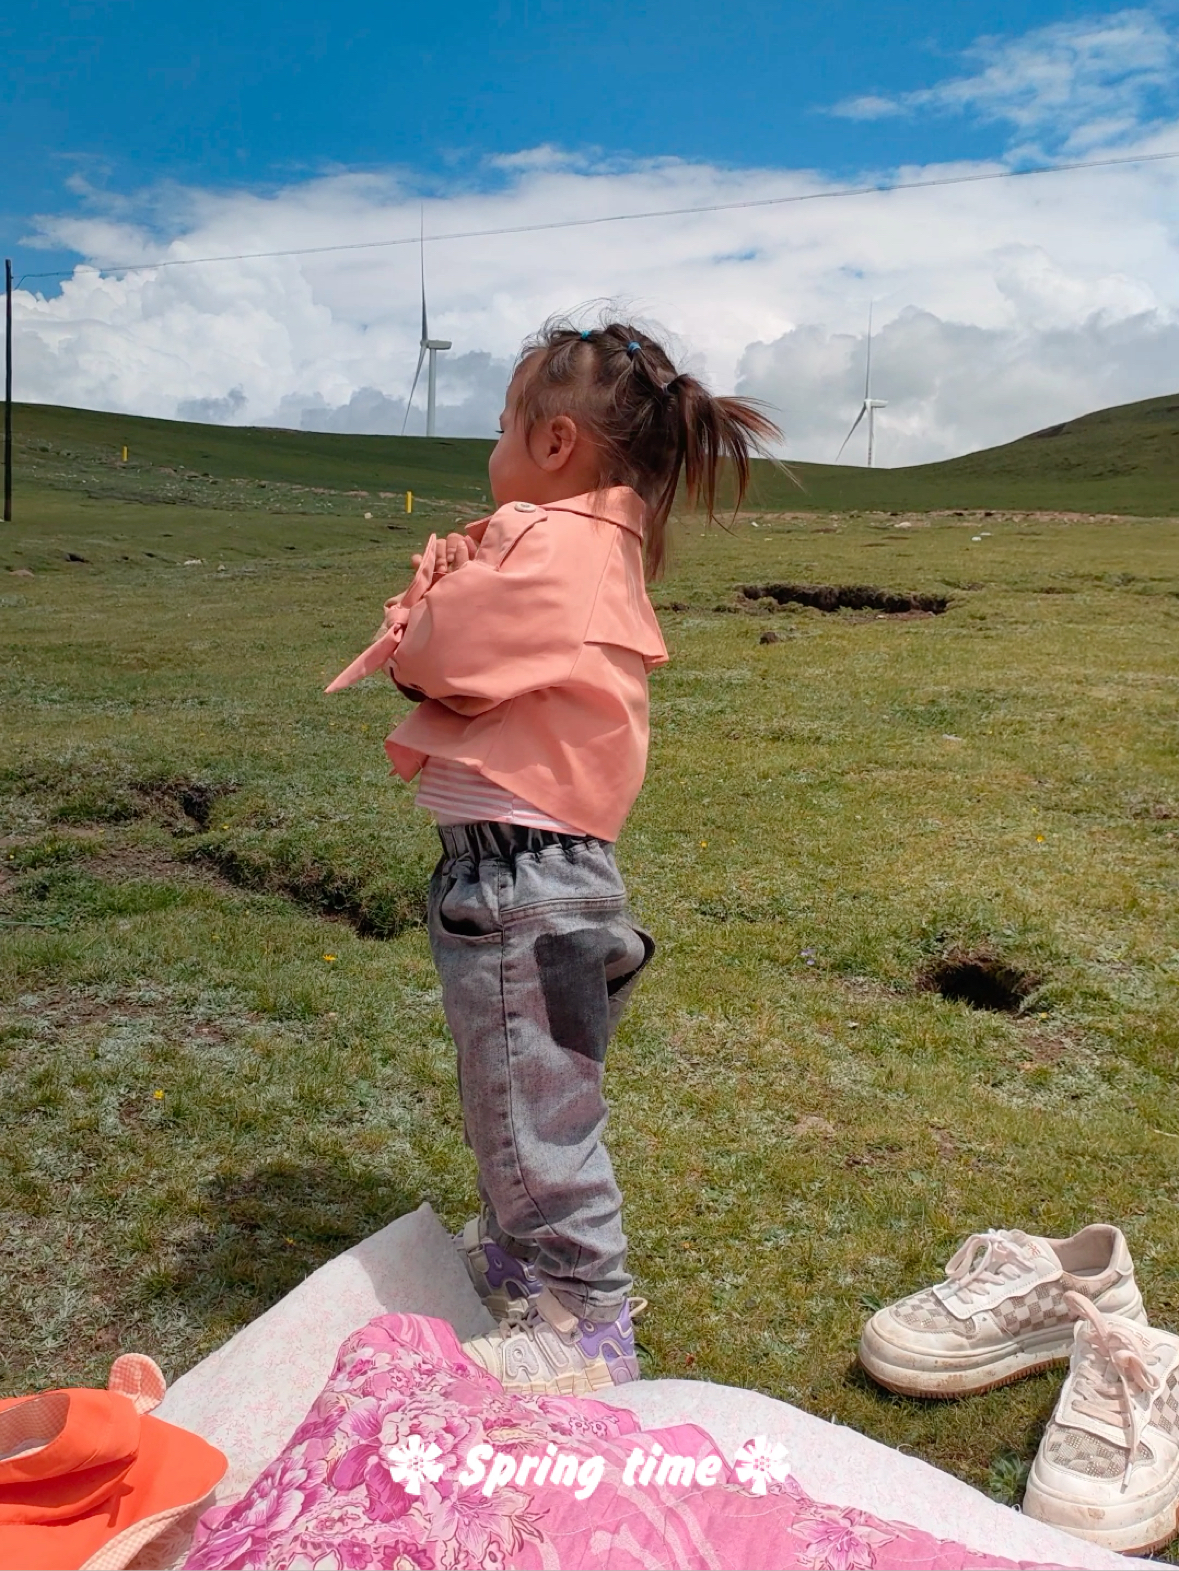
[(849, 597), (981, 978), (196, 799)]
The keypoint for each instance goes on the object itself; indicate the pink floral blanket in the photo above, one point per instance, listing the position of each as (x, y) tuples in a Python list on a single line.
[(412, 1457)]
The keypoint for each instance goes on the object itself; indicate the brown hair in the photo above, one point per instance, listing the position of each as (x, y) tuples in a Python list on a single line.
[(651, 423)]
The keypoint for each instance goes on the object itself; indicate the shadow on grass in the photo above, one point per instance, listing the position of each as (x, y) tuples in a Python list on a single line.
[(1006, 1475), (267, 1230)]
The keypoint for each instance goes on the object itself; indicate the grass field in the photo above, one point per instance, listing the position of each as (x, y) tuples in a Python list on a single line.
[(222, 1055), (1123, 460)]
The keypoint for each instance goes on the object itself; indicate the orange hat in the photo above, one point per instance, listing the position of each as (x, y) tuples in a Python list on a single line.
[(86, 1480)]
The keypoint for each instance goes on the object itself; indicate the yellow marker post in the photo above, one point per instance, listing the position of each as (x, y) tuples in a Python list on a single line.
[(409, 501), (124, 452)]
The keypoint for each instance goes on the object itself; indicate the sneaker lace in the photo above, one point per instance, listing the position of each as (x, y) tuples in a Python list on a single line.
[(987, 1259), (519, 1317), (1112, 1382)]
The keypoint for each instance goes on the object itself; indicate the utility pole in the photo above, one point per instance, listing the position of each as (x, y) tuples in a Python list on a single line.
[(7, 390)]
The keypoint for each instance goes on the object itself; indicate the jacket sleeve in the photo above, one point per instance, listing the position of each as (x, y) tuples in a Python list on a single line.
[(488, 633)]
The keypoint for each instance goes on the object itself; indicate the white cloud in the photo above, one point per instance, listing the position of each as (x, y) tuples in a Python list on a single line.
[(1071, 86), (1001, 307), (951, 386), (474, 385)]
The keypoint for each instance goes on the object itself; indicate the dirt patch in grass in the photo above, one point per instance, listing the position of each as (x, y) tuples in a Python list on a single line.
[(1154, 810), (181, 804), (982, 978), (103, 841), (195, 799), (58, 1008), (848, 597), (130, 861), (375, 910), (1044, 1047)]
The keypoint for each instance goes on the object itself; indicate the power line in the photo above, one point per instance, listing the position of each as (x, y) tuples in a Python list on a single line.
[(622, 218)]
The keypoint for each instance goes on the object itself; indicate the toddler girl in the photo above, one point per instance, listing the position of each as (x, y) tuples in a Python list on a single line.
[(528, 654)]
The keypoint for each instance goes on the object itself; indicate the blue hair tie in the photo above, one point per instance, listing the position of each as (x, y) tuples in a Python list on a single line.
[(586, 334), (633, 348)]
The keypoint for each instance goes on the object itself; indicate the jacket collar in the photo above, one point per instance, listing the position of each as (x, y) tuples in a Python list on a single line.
[(618, 504)]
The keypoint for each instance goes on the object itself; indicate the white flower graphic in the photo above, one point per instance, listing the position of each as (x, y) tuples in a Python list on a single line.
[(758, 1461), (412, 1461)]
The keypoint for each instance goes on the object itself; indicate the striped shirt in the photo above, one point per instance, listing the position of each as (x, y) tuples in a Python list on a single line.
[(457, 794)]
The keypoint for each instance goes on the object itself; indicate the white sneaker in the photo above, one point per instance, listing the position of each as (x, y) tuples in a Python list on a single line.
[(551, 1350), (1108, 1465), (1001, 1312)]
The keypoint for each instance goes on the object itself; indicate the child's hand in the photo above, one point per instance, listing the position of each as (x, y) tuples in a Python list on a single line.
[(458, 550)]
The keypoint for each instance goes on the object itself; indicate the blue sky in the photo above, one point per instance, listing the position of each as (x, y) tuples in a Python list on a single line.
[(123, 95), (141, 129)]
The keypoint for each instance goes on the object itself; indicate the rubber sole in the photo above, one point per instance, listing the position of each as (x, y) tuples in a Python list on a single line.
[(1160, 1529), (899, 1387), (1106, 1541), (1159, 1543)]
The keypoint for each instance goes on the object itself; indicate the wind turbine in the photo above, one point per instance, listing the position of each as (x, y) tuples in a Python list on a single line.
[(428, 346), (868, 407)]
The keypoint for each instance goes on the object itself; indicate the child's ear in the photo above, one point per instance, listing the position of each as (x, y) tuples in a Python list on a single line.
[(558, 439)]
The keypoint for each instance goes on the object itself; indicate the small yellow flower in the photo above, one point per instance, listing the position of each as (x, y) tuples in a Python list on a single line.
[(703, 844), (1039, 839), (158, 1096), (329, 957)]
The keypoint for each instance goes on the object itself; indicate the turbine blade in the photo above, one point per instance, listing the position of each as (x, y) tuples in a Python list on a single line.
[(852, 432), (868, 363), (422, 243), (414, 388)]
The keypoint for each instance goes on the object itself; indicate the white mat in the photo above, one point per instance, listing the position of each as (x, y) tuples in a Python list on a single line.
[(249, 1396)]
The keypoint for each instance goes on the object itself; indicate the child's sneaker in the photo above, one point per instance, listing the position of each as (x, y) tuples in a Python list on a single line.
[(506, 1285), (1001, 1312), (1108, 1465), (551, 1350)]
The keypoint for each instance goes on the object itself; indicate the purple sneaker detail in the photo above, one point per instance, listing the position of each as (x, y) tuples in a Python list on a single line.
[(506, 1284), (550, 1349), (516, 1277), (613, 1341)]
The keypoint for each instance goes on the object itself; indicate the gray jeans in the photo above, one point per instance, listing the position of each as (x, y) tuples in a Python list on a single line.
[(538, 956)]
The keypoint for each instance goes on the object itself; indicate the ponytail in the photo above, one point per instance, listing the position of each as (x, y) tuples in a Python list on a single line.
[(653, 425)]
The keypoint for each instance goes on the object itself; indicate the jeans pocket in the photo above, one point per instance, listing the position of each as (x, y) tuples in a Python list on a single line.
[(460, 908), (621, 987), (625, 981)]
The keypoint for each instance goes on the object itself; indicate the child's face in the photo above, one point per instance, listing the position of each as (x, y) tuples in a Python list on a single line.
[(512, 468), (552, 461)]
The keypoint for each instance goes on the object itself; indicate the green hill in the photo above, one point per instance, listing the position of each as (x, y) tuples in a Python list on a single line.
[(234, 467), (1120, 460)]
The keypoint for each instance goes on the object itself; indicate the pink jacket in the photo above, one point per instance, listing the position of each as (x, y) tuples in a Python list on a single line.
[(534, 657)]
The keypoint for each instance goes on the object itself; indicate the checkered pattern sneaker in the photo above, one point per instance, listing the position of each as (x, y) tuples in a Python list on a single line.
[(505, 1284), (551, 1350), (1108, 1465), (1000, 1314)]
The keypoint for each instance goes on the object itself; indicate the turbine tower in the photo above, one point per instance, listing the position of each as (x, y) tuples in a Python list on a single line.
[(428, 346), (868, 407)]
